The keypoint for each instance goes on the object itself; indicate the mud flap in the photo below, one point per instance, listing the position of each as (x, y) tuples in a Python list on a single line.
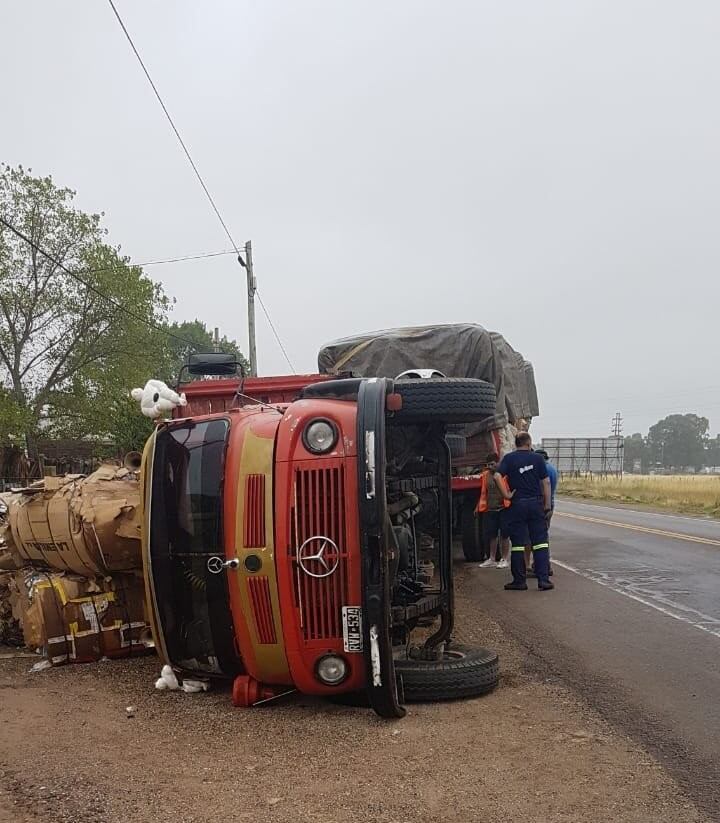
[(382, 685)]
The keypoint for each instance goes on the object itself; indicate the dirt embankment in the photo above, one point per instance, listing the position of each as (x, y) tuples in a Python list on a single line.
[(528, 752)]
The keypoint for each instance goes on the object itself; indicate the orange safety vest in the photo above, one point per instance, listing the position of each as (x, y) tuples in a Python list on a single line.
[(482, 505)]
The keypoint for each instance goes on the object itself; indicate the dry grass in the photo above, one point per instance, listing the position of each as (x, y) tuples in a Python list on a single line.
[(694, 494)]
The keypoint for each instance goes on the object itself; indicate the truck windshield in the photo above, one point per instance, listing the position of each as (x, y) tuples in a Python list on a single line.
[(186, 528)]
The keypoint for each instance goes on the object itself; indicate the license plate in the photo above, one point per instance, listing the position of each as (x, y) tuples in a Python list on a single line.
[(352, 628)]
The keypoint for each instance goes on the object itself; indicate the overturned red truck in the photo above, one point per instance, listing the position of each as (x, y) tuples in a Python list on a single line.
[(298, 534)]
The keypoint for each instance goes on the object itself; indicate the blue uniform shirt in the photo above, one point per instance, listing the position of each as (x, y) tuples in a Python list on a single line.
[(553, 475), (525, 472)]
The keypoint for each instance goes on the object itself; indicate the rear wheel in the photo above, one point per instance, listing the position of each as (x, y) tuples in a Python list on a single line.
[(460, 672), (444, 400)]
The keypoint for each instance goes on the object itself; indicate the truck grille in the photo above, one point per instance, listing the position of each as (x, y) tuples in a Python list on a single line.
[(259, 592), (319, 511), (254, 536)]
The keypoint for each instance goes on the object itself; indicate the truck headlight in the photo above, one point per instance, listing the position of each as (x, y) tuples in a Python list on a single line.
[(320, 436), (331, 670)]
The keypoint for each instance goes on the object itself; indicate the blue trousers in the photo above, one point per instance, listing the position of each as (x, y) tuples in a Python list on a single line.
[(526, 525)]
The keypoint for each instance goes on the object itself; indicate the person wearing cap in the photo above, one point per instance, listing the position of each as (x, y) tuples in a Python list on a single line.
[(553, 475), (531, 503)]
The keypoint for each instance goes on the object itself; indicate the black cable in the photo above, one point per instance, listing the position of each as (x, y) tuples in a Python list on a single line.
[(157, 262), (274, 330), (174, 128), (195, 169), (92, 288)]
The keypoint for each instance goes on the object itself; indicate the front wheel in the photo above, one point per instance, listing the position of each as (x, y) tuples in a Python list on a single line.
[(461, 671)]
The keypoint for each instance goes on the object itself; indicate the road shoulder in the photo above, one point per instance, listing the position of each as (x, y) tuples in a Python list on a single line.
[(530, 751)]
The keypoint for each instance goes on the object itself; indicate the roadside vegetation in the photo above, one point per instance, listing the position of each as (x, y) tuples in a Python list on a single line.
[(679, 493), (80, 325)]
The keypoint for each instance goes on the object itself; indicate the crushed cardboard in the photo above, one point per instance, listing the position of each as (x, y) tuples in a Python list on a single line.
[(83, 525), (79, 620)]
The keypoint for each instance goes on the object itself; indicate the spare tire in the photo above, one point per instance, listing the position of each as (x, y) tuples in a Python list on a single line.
[(462, 671), (445, 400)]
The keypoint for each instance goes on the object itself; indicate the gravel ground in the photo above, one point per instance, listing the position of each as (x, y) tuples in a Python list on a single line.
[(528, 752)]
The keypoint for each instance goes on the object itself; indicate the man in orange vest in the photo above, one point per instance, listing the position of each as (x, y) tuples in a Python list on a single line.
[(491, 506)]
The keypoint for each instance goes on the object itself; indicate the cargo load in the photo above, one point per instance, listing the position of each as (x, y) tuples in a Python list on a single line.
[(457, 350), (83, 525)]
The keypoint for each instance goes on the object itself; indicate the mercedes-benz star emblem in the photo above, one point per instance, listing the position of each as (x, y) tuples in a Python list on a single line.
[(215, 564), (318, 556)]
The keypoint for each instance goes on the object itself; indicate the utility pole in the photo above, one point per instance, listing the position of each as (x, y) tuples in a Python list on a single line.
[(616, 427), (247, 264), (216, 339)]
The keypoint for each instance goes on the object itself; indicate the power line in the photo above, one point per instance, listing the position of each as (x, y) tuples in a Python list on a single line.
[(174, 128), (272, 326), (203, 256), (93, 288), (155, 262), (194, 167)]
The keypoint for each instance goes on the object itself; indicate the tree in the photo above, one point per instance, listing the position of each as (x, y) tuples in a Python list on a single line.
[(129, 429), (67, 352), (679, 440), (636, 448), (72, 347), (712, 453)]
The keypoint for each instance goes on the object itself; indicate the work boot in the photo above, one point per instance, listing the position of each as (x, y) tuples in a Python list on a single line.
[(516, 587), (545, 585)]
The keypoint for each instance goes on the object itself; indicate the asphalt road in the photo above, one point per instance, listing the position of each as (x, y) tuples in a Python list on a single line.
[(634, 626)]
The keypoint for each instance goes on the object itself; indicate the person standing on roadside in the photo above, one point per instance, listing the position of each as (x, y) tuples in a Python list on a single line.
[(527, 517), (553, 475), (491, 507)]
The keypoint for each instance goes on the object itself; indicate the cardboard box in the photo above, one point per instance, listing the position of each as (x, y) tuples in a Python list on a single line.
[(77, 620)]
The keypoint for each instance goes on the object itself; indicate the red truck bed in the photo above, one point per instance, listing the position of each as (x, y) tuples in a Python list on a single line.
[(208, 396)]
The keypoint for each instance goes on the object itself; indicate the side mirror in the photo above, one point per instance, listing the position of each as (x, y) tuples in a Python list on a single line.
[(215, 364), (212, 363)]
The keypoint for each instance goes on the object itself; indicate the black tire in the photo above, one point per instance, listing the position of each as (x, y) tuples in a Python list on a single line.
[(445, 400), (470, 525), (457, 443), (461, 672)]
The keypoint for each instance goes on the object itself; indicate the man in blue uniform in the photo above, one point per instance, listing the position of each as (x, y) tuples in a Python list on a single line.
[(527, 517), (553, 475)]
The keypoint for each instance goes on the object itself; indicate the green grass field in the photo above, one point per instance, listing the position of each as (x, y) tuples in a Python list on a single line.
[(680, 493)]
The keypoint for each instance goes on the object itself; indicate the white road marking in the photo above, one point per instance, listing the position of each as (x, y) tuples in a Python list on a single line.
[(646, 529), (697, 621), (700, 518)]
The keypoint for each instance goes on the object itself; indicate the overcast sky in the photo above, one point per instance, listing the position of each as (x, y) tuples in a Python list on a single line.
[(550, 170)]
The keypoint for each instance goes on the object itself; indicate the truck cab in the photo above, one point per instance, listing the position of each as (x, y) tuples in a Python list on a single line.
[(304, 542)]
